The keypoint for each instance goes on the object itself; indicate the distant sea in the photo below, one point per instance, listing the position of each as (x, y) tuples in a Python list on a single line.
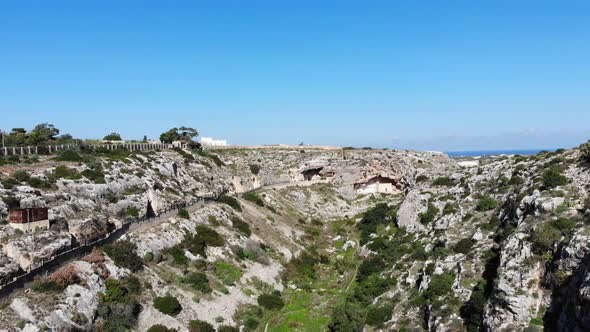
[(459, 154)]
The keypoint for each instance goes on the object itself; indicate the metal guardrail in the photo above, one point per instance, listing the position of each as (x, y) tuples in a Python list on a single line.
[(52, 149), (77, 251)]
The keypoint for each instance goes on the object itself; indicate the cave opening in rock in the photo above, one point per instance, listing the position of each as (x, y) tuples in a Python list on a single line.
[(309, 174), (149, 213), (379, 184)]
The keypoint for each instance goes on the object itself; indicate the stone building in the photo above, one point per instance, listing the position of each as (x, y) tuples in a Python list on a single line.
[(30, 219)]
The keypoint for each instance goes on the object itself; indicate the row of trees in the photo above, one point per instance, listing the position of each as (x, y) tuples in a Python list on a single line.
[(47, 133), (41, 134)]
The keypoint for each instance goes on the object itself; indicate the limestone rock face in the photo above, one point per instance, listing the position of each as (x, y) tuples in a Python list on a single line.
[(90, 230), (407, 215), (8, 269), (28, 250), (513, 303)]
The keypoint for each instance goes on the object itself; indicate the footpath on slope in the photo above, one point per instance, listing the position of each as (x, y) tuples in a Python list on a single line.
[(78, 251)]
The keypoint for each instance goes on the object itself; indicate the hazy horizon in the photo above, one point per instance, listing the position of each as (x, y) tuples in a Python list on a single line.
[(447, 76)]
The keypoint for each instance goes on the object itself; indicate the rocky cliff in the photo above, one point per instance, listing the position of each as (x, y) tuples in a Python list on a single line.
[(305, 240)]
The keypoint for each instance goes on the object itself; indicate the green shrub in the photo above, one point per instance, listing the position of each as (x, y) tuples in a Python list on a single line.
[(123, 254), (585, 152), (463, 246), (160, 328), (564, 225), (94, 174), (378, 315), (443, 181), (421, 178), (227, 328), (516, 180), (486, 203), (46, 285), (148, 257), (271, 301), (227, 273), (21, 176), (200, 326), (177, 254), (553, 178), (450, 208), (115, 292), (198, 281), (10, 183), (544, 238), (63, 172), (113, 137), (231, 201), (440, 285), (70, 155), (254, 198), (241, 226), (255, 169), (130, 211), (168, 305), (183, 213), (430, 214), (348, 316), (209, 236)]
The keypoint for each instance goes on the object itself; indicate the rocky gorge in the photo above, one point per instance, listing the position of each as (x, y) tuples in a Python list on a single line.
[(302, 239)]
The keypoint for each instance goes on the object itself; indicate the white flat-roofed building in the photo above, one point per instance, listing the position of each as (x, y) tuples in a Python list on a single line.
[(209, 141)]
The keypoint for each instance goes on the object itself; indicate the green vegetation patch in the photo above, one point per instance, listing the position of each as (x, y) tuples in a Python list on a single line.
[(254, 198), (123, 253), (168, 305), (231, 201), (227, 273)]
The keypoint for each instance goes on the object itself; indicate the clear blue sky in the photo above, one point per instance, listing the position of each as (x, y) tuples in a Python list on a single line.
[(445, 75)]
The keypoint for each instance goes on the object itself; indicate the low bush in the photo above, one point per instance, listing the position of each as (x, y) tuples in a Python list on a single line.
[(177, 254), (198, 281), (348, 316), (231, 201), (443, 181), (553, 178), (450, 208), (271, 301), (94, 173), (255, 169), (168, 305), (148, 257), (544, 238), (254, 198), (378, 315), (227, 328), (160, 328), (421, 178), (63, 172), (486, 203), (430, 215), (440, 285), (69, 155), (227, 273), (123, 254), (130, 211), (585, 152), (241, 226), (463, 246), (200, 326), (183, 213), (209, 236)]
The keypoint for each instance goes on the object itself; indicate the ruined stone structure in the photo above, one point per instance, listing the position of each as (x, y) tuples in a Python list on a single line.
[(28, 220), (379, 184)]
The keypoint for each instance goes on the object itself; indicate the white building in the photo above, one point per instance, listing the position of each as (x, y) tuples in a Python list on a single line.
[(209, 141)]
